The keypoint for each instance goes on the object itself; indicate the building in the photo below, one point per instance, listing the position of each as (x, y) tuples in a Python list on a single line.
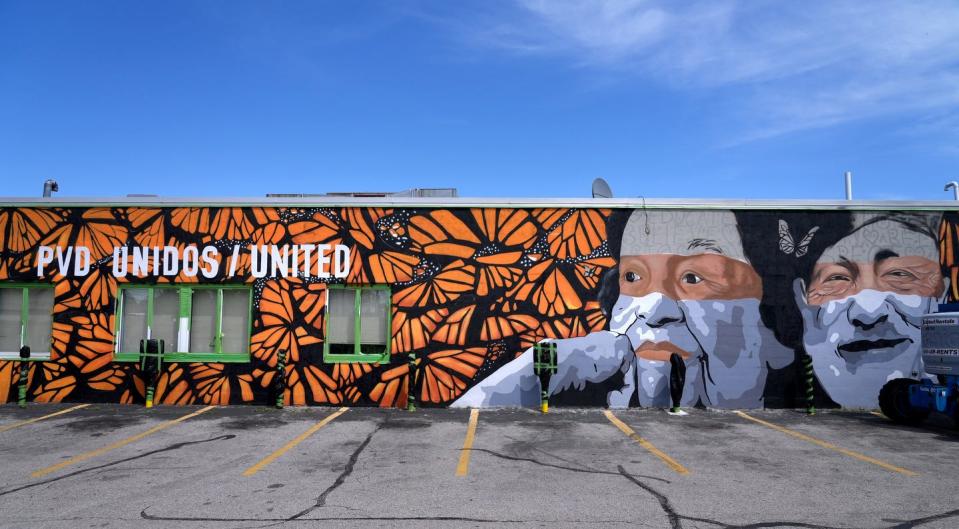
[(747, 294)]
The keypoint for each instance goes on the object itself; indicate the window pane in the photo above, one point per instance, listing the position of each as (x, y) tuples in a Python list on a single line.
[(40, 319), (133, 321), (374, 307), (166, 312), (236, 321), (10, 302), (342, 322), (203, 321)]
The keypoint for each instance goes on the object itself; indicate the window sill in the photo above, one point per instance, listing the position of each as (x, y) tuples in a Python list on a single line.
[(189, 358), (34, 357), (356, 358)]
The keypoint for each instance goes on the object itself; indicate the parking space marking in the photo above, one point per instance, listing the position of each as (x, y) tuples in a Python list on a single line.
[(830, 446), (7, 427), (464, 465), (297, 440), (121, 443), (670, 462)]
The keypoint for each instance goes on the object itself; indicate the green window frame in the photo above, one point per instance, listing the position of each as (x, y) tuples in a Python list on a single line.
[(185, 305), (24, 320), (364, 353)]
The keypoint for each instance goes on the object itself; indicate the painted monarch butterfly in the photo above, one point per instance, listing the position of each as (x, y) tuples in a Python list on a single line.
[(149, 226), (96, 228), (548, 288), (94, 345), (579, 234), (455, 327), (22, 228), (445, 375), (308, 384), (413, 331), (452, 281), (50, 382), (361, 221), (279, 326)]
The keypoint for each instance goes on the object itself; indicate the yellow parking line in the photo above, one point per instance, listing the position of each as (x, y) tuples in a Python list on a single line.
[(297, 440), (830, 446), (464, 465), (646, 444), (877, 414), (6, 427), (123, 442)]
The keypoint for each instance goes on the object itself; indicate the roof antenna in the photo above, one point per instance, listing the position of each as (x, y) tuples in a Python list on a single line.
[(601, 189)]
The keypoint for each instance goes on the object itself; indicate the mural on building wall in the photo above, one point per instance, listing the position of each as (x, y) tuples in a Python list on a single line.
[(736, 295), (863, 300), (682, 285), (739, 296), (469, 288)]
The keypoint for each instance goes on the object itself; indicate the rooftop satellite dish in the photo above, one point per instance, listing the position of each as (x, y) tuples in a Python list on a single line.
[(601, 189)]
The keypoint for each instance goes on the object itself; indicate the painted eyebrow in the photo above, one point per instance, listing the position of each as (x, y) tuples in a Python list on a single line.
[(882, 255), (843, 262), (707, 244), (850, 266)]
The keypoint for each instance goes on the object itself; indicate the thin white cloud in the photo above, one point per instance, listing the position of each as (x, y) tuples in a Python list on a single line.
[(793, 65)]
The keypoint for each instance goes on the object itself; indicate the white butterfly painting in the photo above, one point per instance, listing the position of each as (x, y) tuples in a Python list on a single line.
[(788, 245)]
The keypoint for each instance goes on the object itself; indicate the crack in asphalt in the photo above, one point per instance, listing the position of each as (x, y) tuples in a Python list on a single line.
[(674, 521), (909, 524), (675, 518), (144, 515), (174, 446), (560, 467), (347, 470)]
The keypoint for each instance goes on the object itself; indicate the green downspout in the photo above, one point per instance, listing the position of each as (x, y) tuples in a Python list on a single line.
[(24, 349)]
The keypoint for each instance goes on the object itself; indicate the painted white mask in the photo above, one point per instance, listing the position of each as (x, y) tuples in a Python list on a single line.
[(724, 343), (860, 342)]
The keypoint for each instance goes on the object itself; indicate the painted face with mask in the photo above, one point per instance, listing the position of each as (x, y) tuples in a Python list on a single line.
[(863, 302), (686, 288)]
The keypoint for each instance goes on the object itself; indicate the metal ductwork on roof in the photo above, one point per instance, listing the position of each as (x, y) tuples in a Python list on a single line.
[(447, 192)]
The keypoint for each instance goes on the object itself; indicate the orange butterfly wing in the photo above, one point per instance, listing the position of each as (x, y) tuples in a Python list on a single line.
[(413, 332), (391, 390), (453, 330), (440, 232), (451, 282), (21, 228), (445, 375), (579, 235)]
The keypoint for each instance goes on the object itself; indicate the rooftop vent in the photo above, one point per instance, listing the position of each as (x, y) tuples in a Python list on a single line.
[(446, 192)]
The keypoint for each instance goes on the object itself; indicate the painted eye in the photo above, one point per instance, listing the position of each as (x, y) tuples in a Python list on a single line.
[(901, 274), (691, 279), (631, 277)]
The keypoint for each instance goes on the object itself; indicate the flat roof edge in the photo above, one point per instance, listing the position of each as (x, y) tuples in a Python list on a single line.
[(478, 202)]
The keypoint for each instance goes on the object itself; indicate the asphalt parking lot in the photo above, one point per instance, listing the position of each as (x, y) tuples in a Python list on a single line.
[(107, 466)]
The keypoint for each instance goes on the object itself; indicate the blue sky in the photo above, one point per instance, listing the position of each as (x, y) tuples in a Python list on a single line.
[(712, 99)]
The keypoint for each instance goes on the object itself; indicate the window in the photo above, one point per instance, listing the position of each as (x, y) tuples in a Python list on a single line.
[(26, 318), (357, 324), (199, 323)]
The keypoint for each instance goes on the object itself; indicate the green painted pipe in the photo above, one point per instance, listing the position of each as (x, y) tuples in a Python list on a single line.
[(280, 382), (411, 384), (22, 384), (24, 376), (807, 366)]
